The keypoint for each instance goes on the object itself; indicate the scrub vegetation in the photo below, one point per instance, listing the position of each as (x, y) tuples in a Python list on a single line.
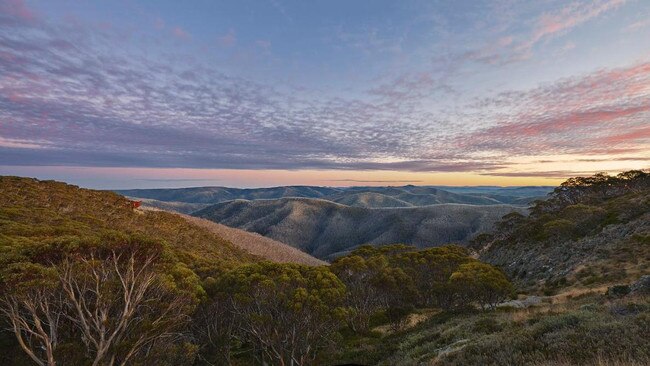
[(87, 279)]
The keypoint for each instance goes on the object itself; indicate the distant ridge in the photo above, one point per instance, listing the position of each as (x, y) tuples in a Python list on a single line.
[(404, 196), (326, 229)]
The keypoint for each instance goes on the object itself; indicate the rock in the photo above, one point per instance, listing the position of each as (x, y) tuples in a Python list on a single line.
[(523, 303), (641, 286)]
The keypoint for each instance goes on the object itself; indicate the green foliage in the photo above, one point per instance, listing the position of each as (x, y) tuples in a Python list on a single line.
[(39, 219), (559, 229), (482, 283), (584, 333), (583, 205), (373, 283), (44, 224), (564, 241), (596, 188), (396, 278), (287, 312), (294, 287)]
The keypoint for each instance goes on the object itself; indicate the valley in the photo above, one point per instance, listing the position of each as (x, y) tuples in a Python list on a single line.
[(563, 281), (327, 222), (325, 229)]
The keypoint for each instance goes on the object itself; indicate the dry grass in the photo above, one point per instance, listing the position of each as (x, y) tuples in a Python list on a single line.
[(569, 293), (256, 244), (411, 321), (600, 361)]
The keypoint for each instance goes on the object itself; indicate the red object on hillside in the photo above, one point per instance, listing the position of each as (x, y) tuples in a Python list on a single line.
[(136, 204)]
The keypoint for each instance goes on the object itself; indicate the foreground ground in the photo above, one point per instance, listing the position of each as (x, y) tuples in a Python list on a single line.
[(576, 327)]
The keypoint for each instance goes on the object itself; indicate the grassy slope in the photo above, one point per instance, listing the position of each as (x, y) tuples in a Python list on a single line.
[(323, 228), (585, 329), (615, 248), (175, 206), (33, 211), (578, 324), (257, 244)]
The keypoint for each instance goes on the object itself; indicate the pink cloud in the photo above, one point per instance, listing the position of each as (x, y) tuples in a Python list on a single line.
[(17, 9), (229, 39), (180, 33), (569, 17), (551, 24), (635, 135), (576, 114), (566, 122)]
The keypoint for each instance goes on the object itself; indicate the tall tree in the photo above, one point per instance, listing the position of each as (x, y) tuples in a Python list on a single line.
[(108, 303), (120, 304), (34, 309), (287, 312), (481, 283)]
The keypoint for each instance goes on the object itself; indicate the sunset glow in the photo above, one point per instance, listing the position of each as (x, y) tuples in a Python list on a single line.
[(142, 94)]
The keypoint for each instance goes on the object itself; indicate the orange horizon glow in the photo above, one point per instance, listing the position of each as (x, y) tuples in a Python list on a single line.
[(133, 177)]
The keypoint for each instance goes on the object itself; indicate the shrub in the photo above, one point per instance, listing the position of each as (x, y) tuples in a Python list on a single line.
[(618, 291)]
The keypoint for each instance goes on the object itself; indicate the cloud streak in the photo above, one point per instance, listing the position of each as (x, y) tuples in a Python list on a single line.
[(70, 95)]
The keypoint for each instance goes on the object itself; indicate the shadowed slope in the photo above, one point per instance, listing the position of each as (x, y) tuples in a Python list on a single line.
[(591, 231), (325, 229), (257, 244)]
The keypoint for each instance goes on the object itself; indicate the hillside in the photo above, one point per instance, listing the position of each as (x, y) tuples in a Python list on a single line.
[(591, 231), (408, 196), (213, 195), (325, 229), (581, 266), (256, 244), (572, 328), (181, 207), (34, 213), (371, 197)]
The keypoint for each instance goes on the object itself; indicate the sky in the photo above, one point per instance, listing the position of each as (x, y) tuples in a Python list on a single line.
[(161, 93)]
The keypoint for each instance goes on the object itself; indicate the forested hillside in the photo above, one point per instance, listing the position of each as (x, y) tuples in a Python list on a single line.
[(591, 231), (89, 278), (325, 229), (49, 213), (580, 263), (86, 278), (212, 195)]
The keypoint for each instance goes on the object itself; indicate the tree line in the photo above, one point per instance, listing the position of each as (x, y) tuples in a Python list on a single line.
[(126, 300)]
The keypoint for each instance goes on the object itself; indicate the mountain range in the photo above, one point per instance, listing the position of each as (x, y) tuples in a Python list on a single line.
[(372, 197), (329, 221), (327, 229), (579, 261)]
